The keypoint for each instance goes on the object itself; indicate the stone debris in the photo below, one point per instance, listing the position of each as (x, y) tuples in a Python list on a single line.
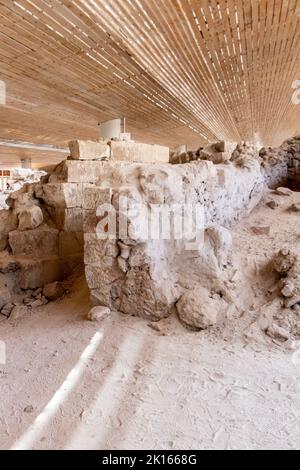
[(261, 230), (5, 296), (284, 261), (30, 218), (272, 204), (54, 291), (294, 208), (99, 313), (18, 312), (199, 309), (281, 321), (28, 409), (7, 309), (283, 192), (277, 332)]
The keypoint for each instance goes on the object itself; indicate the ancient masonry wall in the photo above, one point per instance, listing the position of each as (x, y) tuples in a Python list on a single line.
[(50, 227)]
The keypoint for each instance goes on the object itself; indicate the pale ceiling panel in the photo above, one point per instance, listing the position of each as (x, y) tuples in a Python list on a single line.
[(180, 71)]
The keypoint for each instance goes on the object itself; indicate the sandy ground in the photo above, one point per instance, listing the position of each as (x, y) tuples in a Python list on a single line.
[(73, 384)]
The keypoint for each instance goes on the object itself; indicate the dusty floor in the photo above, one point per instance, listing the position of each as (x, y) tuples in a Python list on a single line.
[(69, 383)]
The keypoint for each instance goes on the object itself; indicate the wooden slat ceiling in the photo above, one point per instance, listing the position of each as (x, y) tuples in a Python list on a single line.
[(180, 71)]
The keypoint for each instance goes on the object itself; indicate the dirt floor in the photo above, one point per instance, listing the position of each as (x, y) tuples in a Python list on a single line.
[(74, 384)]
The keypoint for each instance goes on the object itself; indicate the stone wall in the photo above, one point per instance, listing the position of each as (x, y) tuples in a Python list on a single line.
[(51, 226)]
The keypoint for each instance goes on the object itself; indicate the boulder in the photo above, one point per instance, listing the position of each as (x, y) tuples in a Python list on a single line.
[(199, 309), (22, 199), (98, 314), (54, 291), (30, 218), (283, 192), (7, 309)]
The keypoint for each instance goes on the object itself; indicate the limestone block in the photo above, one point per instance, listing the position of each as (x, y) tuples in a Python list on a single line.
[(38, 243), (22, 200), (18, 312), (77, 171), (138, 152), (144, 297), (98, 314), (30, 218), (89, 150), (96, 250), (98, 276), (93, 196), (60, 195), (70, 220), (40, 272), (5, 296), (70, 243), (8, 222), (224, 146)]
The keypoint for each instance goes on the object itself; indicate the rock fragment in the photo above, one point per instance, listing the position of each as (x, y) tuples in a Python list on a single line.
[(197, 309), (98, 314), (54, 290), (283, 192)]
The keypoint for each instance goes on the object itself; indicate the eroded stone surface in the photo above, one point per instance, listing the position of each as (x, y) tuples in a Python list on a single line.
[(30, 218), (199, 309)]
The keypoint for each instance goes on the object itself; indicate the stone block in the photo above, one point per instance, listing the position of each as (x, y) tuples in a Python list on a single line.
[(8, 222), (89, 150), (224, 146), (5, 296), (93, 196), (96, 250), (77, 171), (38, 273), (30, 218), (60, 195), (37, 243), (138, 152)]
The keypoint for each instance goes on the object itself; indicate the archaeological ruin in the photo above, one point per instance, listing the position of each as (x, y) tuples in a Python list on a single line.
[(149, 226)]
